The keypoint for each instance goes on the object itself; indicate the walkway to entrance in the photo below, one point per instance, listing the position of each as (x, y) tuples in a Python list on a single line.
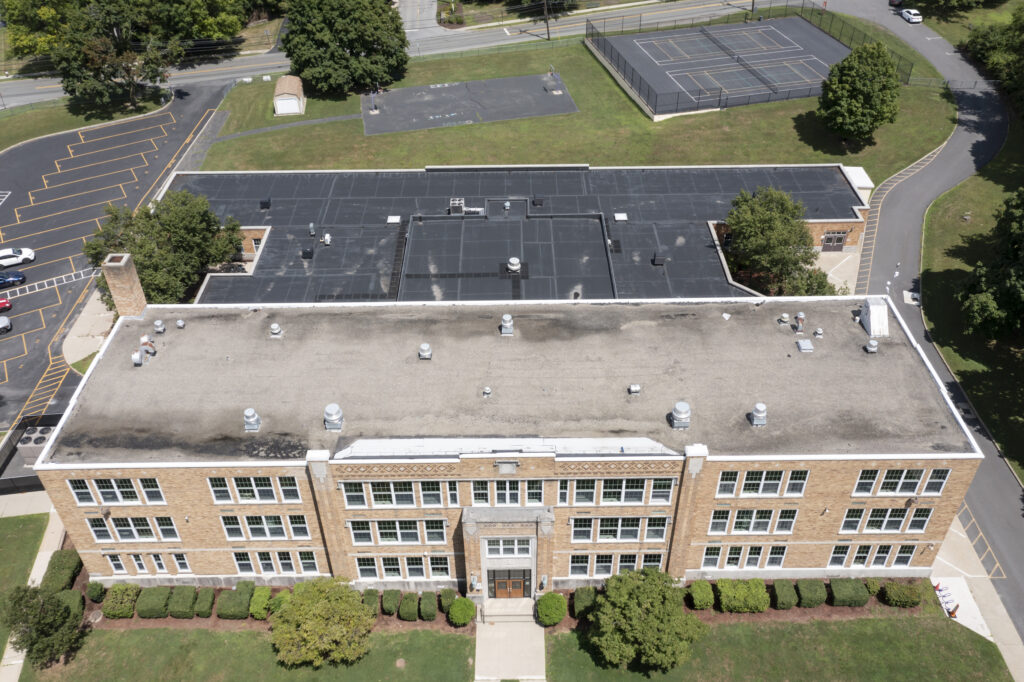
[(509, 650)]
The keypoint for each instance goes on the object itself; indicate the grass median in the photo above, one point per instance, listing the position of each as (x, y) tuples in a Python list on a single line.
[(19, 543), (956, 27)]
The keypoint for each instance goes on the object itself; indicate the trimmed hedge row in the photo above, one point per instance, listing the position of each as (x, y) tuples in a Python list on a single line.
[(204, 602), (461, 612), (389, 601), (551, 609), (61, 571), (742, 596), (409, 608), (259, 606), (371, 598), (120, 601), (278, 601), (812, 593), (785, 594), (448, 597), (848, 592), (902, 595), (701, 595), (182, 602), (583, 600), (152, 603), (95, 592), (428, 606), (873, 585), (234, 604)]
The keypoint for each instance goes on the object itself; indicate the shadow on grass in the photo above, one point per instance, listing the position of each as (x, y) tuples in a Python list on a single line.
[(107, 111), (813, 132), (584, 644)]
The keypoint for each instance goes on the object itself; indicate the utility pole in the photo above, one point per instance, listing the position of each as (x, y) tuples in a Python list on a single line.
[(546, 24)]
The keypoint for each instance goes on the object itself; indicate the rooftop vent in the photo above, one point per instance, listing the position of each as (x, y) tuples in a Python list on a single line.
[(425, 351), (680, 416), (805, 345), (333, 418), (394, 219), (312, 229), (819, 332), (759, 417), (875, 317), (538, 200), (621, 217), (506, 325), (487, 391), (872, 346), (265, 204), (159, 327), (251, 420), (456, 206), (633, 389), (783, 319), (800, 319), (514, 265), (276, 331), (180, 324)]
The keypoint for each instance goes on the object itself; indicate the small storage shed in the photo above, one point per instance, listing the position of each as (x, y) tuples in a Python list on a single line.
[(288, 97)]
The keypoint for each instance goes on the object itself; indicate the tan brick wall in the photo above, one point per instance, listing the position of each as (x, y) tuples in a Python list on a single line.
[(248, 234), (123, 280)]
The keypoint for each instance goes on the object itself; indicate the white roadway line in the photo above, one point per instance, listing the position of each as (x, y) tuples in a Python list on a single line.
[(840, 263), (957, 568)]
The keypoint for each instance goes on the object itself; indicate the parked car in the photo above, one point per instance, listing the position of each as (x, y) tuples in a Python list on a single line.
[(11, 278), (9, 257), (5, 305), (5, 324), (912, 16)]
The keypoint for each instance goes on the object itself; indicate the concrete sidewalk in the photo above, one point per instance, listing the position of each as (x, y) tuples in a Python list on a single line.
[(508, 651), (89, 330)]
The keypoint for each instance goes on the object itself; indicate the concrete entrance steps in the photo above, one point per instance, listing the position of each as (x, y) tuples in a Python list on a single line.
[(507, 611)]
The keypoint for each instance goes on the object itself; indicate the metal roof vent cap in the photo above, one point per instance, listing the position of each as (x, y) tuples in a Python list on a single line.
[(819, 332), (800, 319), (783, 319), (251, 420), (276, 331), (759, 417), (159, 327), (425, 351), (333, 417), (487, 391), (180, 324), (633, 389), (680, 416), (506, 325), (514, 265), (872, 346), (137, 358)]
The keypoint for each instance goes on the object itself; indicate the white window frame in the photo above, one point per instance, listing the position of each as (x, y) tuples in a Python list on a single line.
[(265, 559), (116, 565), (734, 557), (439, 493), (863, 478), (712, 557), (368, 531), (761, 524), (240, 562), (391, 562), (727, 483), (357, 488), (405, 527), (660, 528), (901, 482), (135, 523), (163, 529), (158, 563), (925, 514), (181, 562), (648, 564), (94, 527), (801, 483), (854, 516), (763, 483), (712, 529), (578, 524), (305, 557), (884, 556), (780, 521), (285, 562), (237, 524), (941, 482), (225, 489), (508, 547), (620, 491), (435, 572), (481, 488), (367, 563), (298, 524), (753, 553), (427, 531), (139, 563), (603, 568), (591, 492), (776, 556), (534, 492), (628, 565), (840, 553), (117, 491), (157, 492), (507, 493), (453, 493), (390, 527), (861, 556), (563, 492), (658, 495), (294, 487), (410, 566), (904, 558), (396, 498), (84, 490), (579, 568), (259, 492), (620, 527), (262, 530), (891, 514)]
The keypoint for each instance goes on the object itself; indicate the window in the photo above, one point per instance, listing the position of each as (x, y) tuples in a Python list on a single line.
[(903, 555), (391, 567), (117, 491), (243, 562), (652, 561), (133, 529), (719, 521), (506, 492), (158, 562), (797, 482), (387, 531), (838, 557), (266, 562), (881, 555), (585, 491), (232, 528), (453, 493), (367, 567), (256, 244), (289, 488), (936, 482), (387, 494), (481, 493), (885, 520), (753, 557), (762, 482), (430, 493), (563, 492), (414, 567), (851, 522), (727, 483), (361, 533), (776, 555), (919, 521), (744, 518), (165, 526), (80, 489), (151, 489), (900, 481), (661, 490), (711, 555), (627, 562), (508, 547), (308, 562), (860, 558), (579, 564), (115, 563), (535, 492), (354, 496), (140, 565), (582, 529), (219, 488), (264, 527), (284, 560), (300, 529), (622, 490), (603, 564), (762, 520), (434, 529), (181, 561), (99, 529), (409, 532), (255, 489), (866, 482), (656, 528), (438, 566), (732, 559), (619, 529), (786, 521)]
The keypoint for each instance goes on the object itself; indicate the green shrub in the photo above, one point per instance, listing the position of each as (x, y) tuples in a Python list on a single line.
[(390, 600), (234, 604), (903, 595), (120, 601), (246, 587), (61, 571), (583, 601), (848, 592), (371, 598), (76, 605), (785, 594), (873, 585), (152, 602), (204, 602), (551, 609), (448, 597), (742, 596), (409, 608), (259, 606), (95, 591), (182, 602), (461, 612), (428, 606), (279, 600), (701, 595), (812, 593)]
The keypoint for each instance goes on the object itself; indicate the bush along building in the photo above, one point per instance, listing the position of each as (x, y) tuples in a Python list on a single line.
[(509, 449)]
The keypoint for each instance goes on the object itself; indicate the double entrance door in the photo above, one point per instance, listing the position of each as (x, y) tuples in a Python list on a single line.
[(513, 584)]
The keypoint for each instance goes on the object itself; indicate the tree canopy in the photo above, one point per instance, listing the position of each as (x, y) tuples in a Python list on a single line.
[(173, 245), (993, 299), (861, 93), (325, 621), (639, 620), (772, 248), (41, 625), (339, 46), (1000, 47)]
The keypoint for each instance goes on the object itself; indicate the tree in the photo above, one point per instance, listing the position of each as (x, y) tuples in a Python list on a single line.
[(325, 621), (34, 26), (771, 246), (173, 245), (338, 46), (41, 625), (949, 7), (639, 620), (1000, 47), (993, 298), (861, 93)]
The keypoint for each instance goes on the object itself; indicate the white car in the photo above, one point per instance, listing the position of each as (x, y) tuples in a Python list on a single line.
[(912, 16), (9, 257)]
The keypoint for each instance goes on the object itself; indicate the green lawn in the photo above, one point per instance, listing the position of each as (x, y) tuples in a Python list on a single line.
[(256, 35), (169, 655), (19, 543), (926, 648), (955, 28), (991, 373), (252, 106), (81, 366)]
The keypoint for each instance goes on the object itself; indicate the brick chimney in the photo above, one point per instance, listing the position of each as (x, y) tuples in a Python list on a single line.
[(119, 269)]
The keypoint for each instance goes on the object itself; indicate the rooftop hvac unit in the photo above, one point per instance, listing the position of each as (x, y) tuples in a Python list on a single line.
[(456, 206)]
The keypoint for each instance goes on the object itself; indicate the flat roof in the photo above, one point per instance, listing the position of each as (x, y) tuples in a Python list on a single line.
[(563, 374), (393, 238)]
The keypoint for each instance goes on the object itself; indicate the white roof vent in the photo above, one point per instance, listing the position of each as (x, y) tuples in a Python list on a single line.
[(800, 319), (251, 420), (514, 265), (633, 389), (680, 416), (425, 352), (621, 217), (759, 417), (783, 319), (872, 346), (456, 206), (159, 327), (333, 418), (137, 358), (394, 219), (487, 391), (805, 346), (819, 332), (180, 324), (276, 331), (875, 317), (506, 325)]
